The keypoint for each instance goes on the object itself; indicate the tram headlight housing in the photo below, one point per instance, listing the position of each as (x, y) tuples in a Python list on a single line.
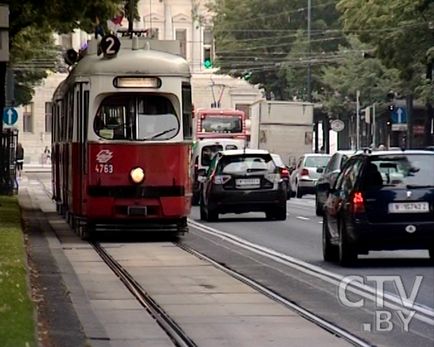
[(137, 175)]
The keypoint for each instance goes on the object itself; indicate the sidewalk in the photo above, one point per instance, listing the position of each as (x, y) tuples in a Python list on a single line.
[(37, 168)]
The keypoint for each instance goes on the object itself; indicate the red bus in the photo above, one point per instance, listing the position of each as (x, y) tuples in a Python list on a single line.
[(221, 123)]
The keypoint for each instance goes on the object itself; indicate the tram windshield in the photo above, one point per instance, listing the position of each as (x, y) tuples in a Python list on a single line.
[(136, 117)]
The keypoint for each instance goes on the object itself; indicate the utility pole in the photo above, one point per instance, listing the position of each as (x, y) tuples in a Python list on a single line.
[(357, 120), (309, 68), (374, 127)]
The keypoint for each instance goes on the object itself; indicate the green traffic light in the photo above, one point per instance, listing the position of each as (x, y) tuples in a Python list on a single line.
[(207, 63)]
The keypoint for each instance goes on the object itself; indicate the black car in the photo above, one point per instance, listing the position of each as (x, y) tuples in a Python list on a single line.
[(283, 170), (241, 181), (380, 201), (328, 177)]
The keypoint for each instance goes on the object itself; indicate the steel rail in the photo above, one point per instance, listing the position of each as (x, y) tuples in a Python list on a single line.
[(326, 325), (172, 329)]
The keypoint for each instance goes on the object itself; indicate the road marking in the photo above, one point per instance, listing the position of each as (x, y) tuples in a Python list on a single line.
[(302, 218), (424, 313)]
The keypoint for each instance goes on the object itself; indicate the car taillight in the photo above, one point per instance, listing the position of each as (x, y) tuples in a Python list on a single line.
[(221, 179), (305, 172), (284, 172), (357, 203)]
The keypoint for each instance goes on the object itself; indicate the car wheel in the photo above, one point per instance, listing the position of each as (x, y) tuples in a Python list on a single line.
[(195, 199), (347, 252), (329, 251), (431, 253), (269, 215), (280, 212), (212, 215), (203, 215), (298, 192), (318, 207)]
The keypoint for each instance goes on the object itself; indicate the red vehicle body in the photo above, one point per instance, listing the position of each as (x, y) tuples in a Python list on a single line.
[(221, 123), (122, 135)]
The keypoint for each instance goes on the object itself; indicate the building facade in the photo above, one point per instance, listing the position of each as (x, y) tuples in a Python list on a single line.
[(189, 22)]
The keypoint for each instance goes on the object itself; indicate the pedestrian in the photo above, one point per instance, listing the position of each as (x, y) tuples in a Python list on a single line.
[(46, 156), (19, 158)]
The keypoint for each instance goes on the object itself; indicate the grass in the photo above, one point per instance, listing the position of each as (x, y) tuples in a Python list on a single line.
[(16, 309)]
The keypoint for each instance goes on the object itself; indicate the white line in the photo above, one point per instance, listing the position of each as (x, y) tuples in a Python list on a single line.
[(302, 218), (330, 277)]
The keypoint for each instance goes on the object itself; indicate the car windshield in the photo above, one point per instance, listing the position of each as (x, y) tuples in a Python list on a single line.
[(317, 161), (412, 170), (277, 160), (242, 164), (136, 117), (208, 153)]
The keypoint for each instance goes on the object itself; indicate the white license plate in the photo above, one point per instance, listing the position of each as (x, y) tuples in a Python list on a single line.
[(248, 182), (408, 207)]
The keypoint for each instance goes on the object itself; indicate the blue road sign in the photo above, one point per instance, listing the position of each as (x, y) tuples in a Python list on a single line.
[(399, 115), (10, 115)]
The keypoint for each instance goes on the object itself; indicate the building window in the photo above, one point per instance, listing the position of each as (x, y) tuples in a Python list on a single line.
[(245, 108), (48, 117), (181, 36), (28, 118)]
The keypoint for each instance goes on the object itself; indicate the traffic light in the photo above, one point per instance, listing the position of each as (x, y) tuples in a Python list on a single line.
[(207, 60)]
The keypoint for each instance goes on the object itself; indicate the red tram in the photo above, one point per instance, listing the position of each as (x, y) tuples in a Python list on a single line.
[(122, 135)]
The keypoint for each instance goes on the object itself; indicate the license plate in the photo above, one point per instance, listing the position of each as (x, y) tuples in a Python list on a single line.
[(248, 182), (408, 207), (137, 211)]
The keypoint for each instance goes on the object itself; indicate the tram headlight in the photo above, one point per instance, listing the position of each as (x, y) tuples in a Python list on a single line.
[(137, 175)]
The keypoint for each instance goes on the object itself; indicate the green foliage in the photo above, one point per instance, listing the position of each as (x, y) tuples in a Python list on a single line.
[(32, 23), (355, 72), (268, 40), (401, 31), (16, 309)]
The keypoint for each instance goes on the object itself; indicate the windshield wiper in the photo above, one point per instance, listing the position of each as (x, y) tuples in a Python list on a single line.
[(160, 134), (409, 186)]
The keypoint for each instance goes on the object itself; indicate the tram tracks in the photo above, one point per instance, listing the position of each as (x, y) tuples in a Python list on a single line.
[(175, 332), (172, 329)]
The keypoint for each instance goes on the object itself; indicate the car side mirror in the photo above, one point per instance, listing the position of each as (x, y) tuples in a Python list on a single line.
[(201, 179), (320, 170)]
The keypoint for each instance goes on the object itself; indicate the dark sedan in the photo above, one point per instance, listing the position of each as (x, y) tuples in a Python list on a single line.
[(241, 181), (380, 201), (328, 177)]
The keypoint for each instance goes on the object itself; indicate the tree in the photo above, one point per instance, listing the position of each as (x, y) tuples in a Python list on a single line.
[(355, 72), (256, 38), (400, 30), (32, 24)]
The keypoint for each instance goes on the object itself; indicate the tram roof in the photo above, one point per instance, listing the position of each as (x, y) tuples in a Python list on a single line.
[(139, 56)]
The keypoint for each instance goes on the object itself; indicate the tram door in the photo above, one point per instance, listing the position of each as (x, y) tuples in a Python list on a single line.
[(81, 91)]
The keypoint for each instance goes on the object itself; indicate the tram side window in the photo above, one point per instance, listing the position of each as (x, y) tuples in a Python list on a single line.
[(187, 109)]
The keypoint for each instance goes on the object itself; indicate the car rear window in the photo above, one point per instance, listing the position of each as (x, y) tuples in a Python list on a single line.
[(246, 164), (208, 153), (317, 161), (404, 169)]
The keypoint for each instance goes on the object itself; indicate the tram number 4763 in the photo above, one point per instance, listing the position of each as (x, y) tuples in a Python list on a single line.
[(104, 168)]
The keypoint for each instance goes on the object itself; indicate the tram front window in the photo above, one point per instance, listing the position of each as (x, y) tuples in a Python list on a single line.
[(132, 117)]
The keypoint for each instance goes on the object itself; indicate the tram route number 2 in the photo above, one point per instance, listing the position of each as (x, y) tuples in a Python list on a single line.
[(104, 168)]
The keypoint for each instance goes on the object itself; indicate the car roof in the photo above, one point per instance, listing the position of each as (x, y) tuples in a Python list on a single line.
[(316, 155), (215, 141), (410, 151), (245, 151)]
